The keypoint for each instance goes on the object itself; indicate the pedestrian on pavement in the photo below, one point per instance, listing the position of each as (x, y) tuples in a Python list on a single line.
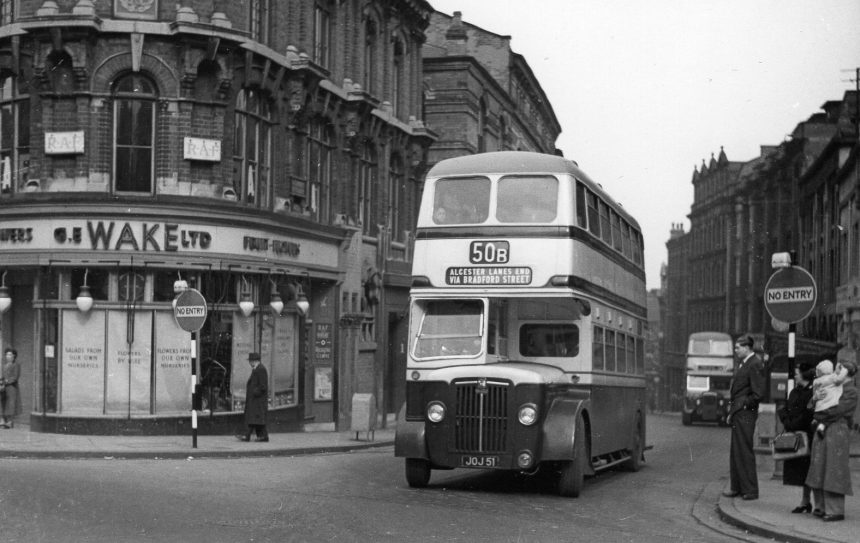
[(10, 400), (829, 475), (256, 400), (796, 416), (746, 392)]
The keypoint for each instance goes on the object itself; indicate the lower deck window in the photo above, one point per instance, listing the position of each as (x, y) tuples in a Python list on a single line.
[(549, 339)]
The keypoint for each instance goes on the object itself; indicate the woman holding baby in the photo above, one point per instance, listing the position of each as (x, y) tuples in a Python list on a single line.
[(829, 476)]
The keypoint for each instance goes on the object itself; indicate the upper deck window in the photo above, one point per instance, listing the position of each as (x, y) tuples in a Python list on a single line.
[(527, 199), (464, 200)]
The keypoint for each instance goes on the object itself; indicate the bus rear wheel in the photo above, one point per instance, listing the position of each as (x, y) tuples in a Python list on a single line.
[(417, 472), (572, 477)]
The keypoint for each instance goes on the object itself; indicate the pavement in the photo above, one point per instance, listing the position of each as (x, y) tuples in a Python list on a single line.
[(769, 517)]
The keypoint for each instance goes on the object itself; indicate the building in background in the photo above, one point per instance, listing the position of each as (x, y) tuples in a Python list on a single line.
[(259, 151), (800, 196), (479, 95)]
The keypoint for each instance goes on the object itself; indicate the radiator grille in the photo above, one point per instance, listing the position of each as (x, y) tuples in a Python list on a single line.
[(481, 416), (709, 399)]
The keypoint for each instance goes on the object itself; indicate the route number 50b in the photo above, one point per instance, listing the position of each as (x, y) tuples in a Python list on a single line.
[(489, 252)]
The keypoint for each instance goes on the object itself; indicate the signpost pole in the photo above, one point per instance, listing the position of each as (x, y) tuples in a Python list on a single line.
[(792, 328), (190, 312), (194, 390)]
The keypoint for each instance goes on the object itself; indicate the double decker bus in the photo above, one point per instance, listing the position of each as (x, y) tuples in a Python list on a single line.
[(710, 362), (527, 312)]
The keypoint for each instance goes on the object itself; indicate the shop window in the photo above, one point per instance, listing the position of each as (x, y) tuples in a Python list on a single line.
[(14, 136), (217, 288), (130, 286), (251, 147), (98, 280), (134, 125), (49, 285)]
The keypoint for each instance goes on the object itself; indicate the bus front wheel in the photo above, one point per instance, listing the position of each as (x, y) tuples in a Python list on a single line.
[(417, 472), (572, 478), (686, 418)]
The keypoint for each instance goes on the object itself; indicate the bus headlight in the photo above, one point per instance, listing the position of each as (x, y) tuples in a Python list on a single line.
[(527, 415), (435, 411)]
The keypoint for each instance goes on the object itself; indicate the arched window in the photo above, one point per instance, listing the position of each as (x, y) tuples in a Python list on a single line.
[(251, 147), (14, 136), (396, 197), (134, 133), (371, 40), (62, 76), (319, 169), (367, 170)]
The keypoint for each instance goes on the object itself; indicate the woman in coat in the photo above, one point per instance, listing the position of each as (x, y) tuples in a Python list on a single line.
[(11, 400), (256, 400), (796, 416), (829, 475)]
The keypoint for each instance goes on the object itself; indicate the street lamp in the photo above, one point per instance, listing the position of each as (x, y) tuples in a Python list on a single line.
[(5, 298), (84, 299), (275, 301), (246, 305)]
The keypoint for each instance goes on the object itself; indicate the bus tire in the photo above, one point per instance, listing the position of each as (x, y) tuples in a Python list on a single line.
[(572, 477), (417, 472), (686, 418), (637, 447)]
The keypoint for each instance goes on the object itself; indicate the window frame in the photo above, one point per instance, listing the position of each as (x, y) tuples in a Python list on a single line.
[(252, 113), (121, 97)]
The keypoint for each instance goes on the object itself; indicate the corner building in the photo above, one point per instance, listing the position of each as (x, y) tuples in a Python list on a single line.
[(261, 151)]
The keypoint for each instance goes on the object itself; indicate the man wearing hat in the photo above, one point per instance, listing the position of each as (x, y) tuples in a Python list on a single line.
[(747, 390), (256, 400)]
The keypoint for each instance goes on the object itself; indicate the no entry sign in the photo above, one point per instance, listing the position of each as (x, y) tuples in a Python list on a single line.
[(790, 294), (190, 310)]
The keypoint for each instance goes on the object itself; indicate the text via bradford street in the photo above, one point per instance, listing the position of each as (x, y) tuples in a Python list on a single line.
[(790, 295), (488, 276)]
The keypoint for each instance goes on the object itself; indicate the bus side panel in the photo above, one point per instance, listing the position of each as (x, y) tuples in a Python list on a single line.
[(559, 428), (410, 440), (613, 410)]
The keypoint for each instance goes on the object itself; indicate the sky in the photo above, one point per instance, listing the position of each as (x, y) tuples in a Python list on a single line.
[(645, 90)]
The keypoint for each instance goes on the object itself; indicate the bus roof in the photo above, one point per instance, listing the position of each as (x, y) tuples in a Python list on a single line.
[(710, 335), (521, 162)]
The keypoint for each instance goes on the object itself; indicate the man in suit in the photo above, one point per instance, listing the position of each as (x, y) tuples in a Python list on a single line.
[(747, 390), (256, 400)]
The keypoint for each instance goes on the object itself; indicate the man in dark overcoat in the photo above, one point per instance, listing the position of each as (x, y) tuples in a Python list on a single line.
[(747, 391), (256, 400)]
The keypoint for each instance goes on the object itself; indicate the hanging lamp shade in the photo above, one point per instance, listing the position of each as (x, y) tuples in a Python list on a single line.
[(5, 299), (84, 299)]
